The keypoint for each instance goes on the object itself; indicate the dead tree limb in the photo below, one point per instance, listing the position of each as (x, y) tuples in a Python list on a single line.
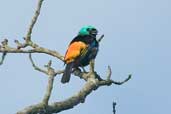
[(55, 107)]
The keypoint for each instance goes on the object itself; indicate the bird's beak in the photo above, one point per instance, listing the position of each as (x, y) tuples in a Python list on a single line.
[(94, 32)]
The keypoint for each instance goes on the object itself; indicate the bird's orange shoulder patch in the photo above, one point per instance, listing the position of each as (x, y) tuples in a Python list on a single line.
[(74, 50)]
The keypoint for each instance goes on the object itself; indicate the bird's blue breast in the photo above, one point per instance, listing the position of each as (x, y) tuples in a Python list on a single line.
[(91, 54)]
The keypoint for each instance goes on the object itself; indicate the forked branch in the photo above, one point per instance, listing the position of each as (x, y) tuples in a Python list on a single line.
[(33, 21), (55, 107)]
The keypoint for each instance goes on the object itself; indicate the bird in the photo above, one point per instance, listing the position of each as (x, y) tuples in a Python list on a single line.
[(81, 50)]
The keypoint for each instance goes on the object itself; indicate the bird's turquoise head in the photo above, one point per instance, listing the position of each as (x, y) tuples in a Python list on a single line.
[(88, 30)]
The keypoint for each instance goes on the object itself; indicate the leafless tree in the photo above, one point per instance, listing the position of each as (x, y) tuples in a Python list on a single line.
[(44, 107)]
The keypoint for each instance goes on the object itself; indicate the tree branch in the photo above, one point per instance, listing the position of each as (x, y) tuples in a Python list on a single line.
[(48, 90), (3, 58), (27, 38), (50, 71), (36, 67), (33, 21), (122, 82), (55, 107), (34, 50)]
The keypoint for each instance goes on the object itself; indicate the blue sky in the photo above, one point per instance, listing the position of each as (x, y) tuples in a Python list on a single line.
[(137, 41)]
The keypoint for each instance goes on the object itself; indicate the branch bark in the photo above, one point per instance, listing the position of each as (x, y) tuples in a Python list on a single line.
[(3, 58), (37, 49), (55, 107), (34, 19)]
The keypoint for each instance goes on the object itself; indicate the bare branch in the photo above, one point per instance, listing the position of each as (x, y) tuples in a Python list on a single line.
[(61, 106), (92, 62), (109, 73), (55, 107), (59, 72), (33, 109), (109, 82), (122, 82), (83, 75), (34, 50), (33, 21), (3, 58), (50, 71), (48, 90), (115, 82), (27, 38), (74, 100), (36, 67), (4, 45)]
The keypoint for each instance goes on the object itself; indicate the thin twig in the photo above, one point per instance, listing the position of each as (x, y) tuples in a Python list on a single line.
[(92, 62), (48, 90), (33, 21), (3, 58), (36, 67), (50, 71), (35, 50), (122, 82), (27, 38), (109, 73), (59, 72)]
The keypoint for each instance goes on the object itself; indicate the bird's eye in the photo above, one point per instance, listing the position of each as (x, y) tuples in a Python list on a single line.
[(88, 29)]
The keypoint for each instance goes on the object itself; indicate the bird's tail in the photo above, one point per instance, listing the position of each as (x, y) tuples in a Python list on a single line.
[(67, 73)]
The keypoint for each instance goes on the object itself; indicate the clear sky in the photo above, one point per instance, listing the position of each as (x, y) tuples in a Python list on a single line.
[(137, 41)]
